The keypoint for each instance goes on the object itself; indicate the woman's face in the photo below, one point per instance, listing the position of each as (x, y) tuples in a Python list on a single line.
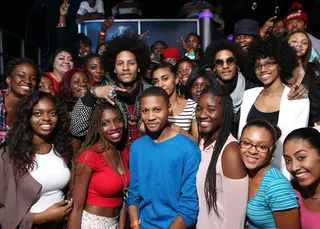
[(102, 49), (46, 85), (225, 66), (126, 67), (258, 155), (302, 161), (112, 125), (267, 70), (183, 72), (23, 79), (208, 114), (79, 84), (44, 117), (62, 62), (165, 78), (198, 85), (299, 42), (95, 69), (193, 42)]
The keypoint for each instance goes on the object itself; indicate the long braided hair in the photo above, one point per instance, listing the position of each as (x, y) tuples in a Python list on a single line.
[(223, 134)]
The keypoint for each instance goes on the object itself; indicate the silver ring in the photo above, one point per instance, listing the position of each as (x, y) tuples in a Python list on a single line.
[(305, 95), (112, 93)]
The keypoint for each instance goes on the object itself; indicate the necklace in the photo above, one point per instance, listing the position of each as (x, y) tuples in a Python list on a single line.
[(123, 176)]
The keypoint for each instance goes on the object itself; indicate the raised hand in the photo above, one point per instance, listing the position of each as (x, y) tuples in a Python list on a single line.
[(64, 8)]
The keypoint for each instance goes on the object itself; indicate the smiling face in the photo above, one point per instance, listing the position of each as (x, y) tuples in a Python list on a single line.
[(302, 161), (95, 69), (84, 49), (126, 67), (227, 71), (23, 79), (300, 42), (267, 70), (197, 87), (44, 117), (208, 114), (252, 158), (62, 63), (183, 71), (164, 78), (112, 125), (154, 113), (244, 41), (79, 84)]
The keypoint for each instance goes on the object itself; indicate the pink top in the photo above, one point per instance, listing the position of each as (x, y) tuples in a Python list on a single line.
[(309, 219), (232, 195)]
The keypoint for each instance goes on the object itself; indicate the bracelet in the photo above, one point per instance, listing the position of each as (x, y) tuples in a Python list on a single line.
[(102, 33), (93, 92), (135, 223), (61, 24)]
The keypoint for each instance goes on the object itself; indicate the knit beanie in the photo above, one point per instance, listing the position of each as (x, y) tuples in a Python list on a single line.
[(171, 52), (296, 12), (246, 27)]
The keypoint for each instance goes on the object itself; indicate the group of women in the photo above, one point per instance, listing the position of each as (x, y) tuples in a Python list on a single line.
[(260, 154)]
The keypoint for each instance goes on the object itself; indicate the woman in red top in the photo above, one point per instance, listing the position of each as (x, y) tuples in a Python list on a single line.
[(100, 174)]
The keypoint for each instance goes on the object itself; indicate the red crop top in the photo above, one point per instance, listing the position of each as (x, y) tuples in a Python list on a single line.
[(106, 186)]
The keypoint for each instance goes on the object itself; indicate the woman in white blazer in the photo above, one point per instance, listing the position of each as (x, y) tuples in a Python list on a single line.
[(272, 60)]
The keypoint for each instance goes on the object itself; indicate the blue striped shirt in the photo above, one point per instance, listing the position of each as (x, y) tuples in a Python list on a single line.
[(275, 194)]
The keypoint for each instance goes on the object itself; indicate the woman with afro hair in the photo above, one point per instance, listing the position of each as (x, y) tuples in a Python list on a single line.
[(126, 60), (273, 60)]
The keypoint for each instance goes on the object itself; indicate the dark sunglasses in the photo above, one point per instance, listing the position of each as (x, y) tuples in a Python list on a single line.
[(218, 63)]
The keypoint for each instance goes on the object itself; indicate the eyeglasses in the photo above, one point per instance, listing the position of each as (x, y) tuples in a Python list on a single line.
[(267, 65), (186, 70), (259, 148), (231, 61)]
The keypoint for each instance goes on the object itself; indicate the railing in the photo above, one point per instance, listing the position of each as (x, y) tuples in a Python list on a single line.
[(12, 45)]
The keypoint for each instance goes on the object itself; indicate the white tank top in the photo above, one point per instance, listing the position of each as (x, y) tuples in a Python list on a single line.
[(54, 175)]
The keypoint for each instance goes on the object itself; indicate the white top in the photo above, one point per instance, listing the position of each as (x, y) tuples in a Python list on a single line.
[(54, 175), (293, 114), (187, 116), (84, 8)]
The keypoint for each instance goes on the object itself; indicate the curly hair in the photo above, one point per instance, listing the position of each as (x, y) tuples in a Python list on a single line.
[(16, 61), (81, 38), (219, 45), (305, 58), (65, 93), (19, 143), (126, 42), (273, 48), (49, 65)]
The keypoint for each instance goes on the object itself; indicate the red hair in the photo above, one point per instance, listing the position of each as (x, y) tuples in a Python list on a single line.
[(65, 93)]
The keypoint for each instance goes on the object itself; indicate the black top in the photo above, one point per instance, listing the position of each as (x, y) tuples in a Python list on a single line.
[(271, 117)]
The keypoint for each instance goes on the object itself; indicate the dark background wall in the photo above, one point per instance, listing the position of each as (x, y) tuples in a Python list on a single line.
[(35, 20)]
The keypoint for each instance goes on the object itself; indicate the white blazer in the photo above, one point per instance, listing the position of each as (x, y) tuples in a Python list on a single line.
[(293, 114)]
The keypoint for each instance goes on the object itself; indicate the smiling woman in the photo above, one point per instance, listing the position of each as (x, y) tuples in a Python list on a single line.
[(21, 78), (75, 84), (35, 161)]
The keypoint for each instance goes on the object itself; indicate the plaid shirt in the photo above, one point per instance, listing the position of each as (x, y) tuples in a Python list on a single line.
[(3, 126), (133, 131)]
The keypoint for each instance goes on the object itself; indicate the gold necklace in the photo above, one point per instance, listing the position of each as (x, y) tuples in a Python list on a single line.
[(124, 179)]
